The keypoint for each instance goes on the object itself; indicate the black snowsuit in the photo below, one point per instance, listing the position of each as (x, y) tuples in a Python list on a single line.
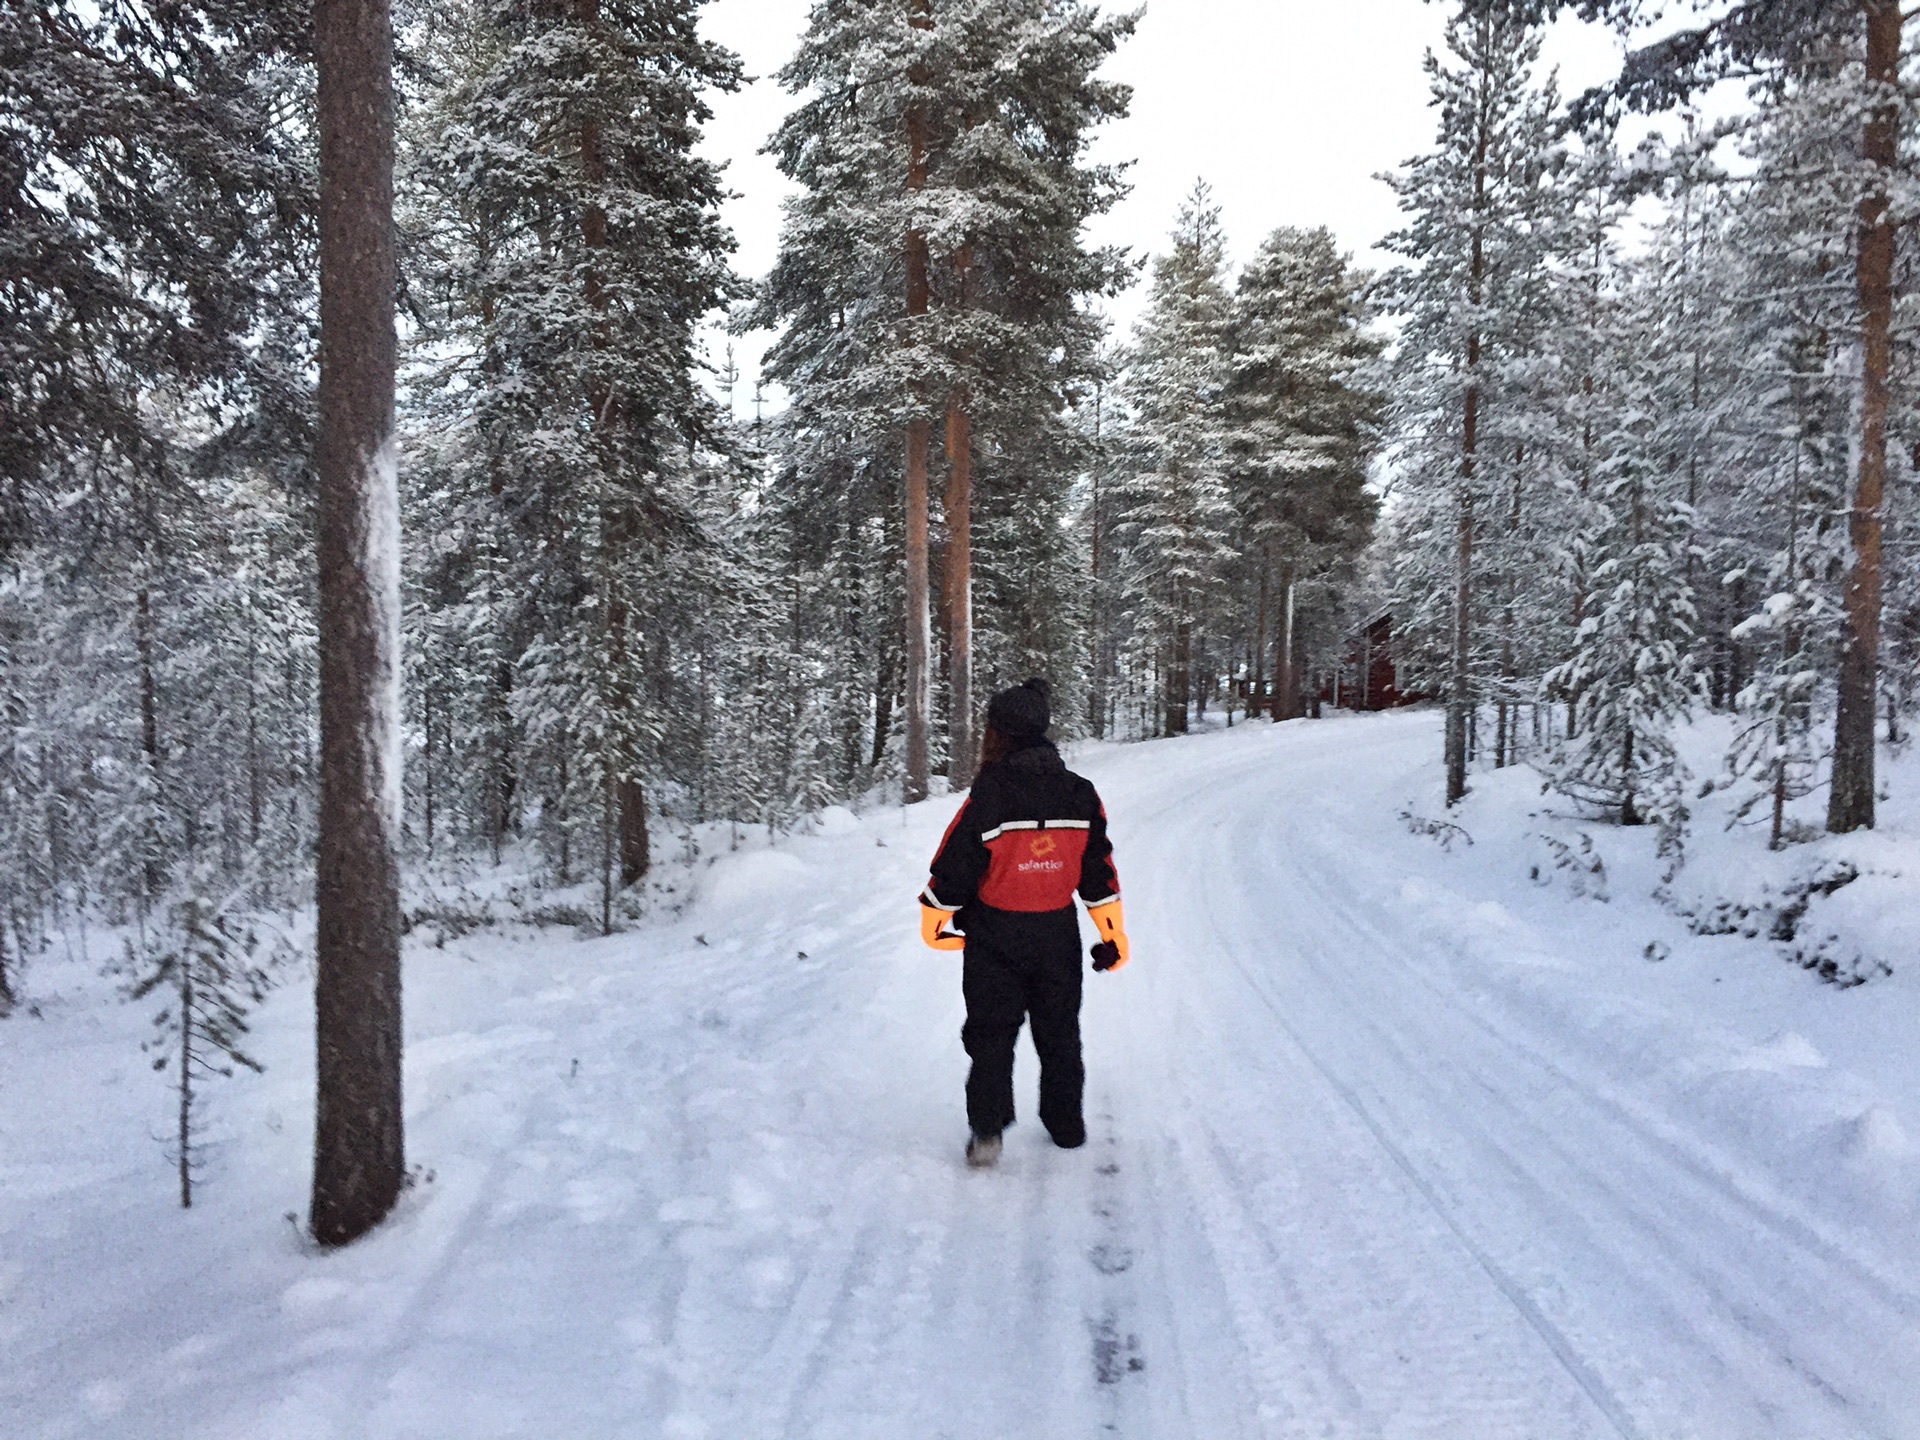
[(1029, 836)]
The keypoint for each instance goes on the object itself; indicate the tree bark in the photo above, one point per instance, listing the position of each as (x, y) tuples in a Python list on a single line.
[(152, 870), (184, 1137), (961, 749), (1096, 621), (359, 1155), (607, 417), (1287, 682), (1851, 802), (914, 786), (256, 794), (1257, 688), (1460, 682), (1180, 679), (882, 706)]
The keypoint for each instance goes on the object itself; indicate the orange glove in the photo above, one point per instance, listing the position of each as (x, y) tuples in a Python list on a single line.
[(936, 929), (1112, 926)]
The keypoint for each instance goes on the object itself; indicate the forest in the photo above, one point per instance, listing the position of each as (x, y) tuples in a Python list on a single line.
[(1627, 437)]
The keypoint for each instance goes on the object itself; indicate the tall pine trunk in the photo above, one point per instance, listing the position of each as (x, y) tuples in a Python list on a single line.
[(961, 750), (1180, 676), (608, 417), (919, 441), (152, 871), (1460, 681), (1287, 682), (1257, 690), (359, 1155), (184, 1137), (1851, 803)]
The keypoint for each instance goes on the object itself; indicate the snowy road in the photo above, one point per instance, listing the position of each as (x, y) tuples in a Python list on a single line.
[(1342, 1182)]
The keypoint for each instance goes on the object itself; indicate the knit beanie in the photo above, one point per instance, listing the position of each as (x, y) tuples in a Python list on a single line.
[(1022, 713)]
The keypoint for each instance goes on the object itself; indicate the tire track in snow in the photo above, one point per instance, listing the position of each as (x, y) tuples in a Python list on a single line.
[(1436, 1077), (774, 1386), (1251, 1230), (1650, 1127), (1647, 1212), (1747, 1299)]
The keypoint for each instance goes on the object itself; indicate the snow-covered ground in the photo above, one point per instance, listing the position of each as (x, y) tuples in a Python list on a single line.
[(1390, 1138)]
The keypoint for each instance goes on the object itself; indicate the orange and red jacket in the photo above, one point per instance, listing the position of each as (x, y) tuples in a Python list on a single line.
[(1031, 834)]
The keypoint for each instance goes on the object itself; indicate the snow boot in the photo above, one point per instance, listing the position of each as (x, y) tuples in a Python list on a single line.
[(983, 1151)]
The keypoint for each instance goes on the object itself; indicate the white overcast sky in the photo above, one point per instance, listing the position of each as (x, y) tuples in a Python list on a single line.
[(1288, 108)]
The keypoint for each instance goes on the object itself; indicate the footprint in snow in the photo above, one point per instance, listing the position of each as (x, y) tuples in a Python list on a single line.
[(1111, 1259)]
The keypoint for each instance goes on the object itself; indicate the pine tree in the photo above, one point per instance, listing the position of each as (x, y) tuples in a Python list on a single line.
[(1783, 42), (1483, 226), (1176, 514), (1305, 420), (204, 961), (154, 199), (557, 140), (359, 1156), (931, 275), (1631, 672)]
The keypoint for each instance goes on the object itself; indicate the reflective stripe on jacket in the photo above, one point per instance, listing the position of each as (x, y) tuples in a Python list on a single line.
[(1031, 834)]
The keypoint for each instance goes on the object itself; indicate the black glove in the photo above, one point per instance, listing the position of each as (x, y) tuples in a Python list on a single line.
[(1106, 955)]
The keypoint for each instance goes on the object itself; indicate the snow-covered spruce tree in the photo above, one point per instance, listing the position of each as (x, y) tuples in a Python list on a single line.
[(1631, 674), (1009, 169), (154, 205), (156, 186), (1774, 745), (1176, 513), (1485, 220), (1692, 269), (1102, 421), (930, 280), (1857, 46), (567, 244), (1304, 418), (1782, 259), (204, 960)]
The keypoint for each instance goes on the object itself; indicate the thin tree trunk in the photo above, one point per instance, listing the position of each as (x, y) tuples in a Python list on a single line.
[(255, 790), (152, 872), (1096, 657), (608, 416), (606, 857), (1180, 679), (1851, 803), (960, 737), (185, 1137), (915, 786), (882, 705), (1287, 682), (359, 1154), (1460, 682), (1629, 811), (501, 788), (426, 705), (1257, 692), (564, 805), (1460, 685)]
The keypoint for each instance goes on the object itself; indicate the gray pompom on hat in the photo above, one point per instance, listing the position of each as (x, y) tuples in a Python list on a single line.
[(1022, 713)]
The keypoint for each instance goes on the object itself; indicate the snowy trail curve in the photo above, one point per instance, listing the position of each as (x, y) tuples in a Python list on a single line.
[(1347, 1178)]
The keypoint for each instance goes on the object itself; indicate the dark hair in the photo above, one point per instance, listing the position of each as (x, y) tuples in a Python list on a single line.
[(994, 747)]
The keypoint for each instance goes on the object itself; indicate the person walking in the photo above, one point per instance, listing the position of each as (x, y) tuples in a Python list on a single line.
[(1031, 834)]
